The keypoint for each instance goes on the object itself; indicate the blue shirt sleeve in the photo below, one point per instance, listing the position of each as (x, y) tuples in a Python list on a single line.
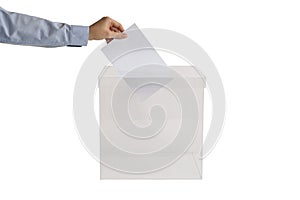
[(21, 29)]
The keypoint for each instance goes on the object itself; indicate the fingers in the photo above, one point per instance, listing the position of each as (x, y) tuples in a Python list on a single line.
[(108, 29), (117, 25), (117, 35), (114, 29)]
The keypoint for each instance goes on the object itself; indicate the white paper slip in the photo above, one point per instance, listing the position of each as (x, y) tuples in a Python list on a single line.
[(134, 52)]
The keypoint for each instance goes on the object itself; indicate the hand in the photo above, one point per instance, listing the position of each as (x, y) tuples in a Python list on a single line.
[(106, 28)]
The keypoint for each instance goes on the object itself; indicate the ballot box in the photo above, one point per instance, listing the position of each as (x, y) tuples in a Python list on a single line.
[(151, 125)]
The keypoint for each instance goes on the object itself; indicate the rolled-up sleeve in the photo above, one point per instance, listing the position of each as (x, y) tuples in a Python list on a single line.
[(21, 29)]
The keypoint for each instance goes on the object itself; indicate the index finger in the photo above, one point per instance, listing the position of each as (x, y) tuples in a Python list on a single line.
[(117, 25)]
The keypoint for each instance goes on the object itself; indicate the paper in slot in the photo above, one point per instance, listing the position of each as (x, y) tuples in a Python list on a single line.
[(128, 55)]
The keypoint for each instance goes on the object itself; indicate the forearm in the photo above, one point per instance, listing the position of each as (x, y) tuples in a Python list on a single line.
[(21, 29)]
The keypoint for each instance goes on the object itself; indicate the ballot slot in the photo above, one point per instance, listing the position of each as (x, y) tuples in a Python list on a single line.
[(132, 53)]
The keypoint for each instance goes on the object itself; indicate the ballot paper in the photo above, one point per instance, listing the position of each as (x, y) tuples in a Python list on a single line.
[(131, 55)]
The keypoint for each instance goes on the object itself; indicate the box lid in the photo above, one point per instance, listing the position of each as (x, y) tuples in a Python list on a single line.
[(153, 72)]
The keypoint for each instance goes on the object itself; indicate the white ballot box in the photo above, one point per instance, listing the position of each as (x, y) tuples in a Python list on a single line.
[(153, 130)]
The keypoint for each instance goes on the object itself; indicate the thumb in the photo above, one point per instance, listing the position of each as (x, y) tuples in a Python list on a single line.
[(118, 35)]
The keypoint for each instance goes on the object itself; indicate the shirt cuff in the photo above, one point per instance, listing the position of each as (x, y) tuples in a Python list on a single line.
[(79, 35)]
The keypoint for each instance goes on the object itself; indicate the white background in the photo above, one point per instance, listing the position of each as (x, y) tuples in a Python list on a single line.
[(255, 46)]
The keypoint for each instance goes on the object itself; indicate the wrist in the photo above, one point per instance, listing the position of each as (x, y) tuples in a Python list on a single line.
[(91, 37)]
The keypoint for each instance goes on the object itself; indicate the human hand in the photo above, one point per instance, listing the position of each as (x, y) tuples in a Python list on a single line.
[(106, 28)]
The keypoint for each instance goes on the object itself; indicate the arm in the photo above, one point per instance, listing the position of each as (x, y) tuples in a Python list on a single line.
[(21, 29)]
